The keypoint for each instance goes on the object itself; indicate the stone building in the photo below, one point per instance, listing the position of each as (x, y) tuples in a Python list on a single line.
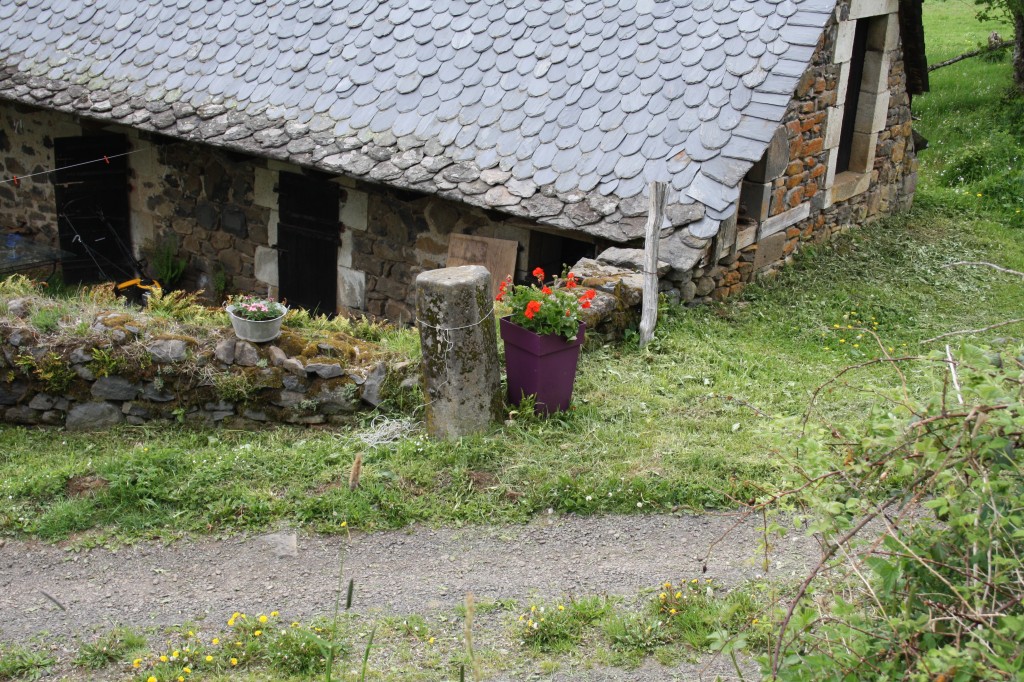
[(326, 149)]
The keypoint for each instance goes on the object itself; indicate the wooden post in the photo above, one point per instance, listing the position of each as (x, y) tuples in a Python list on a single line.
[(655, 214)]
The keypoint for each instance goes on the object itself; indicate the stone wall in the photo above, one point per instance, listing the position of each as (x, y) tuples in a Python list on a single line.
[(124, 374), (26, 147), (808, 202), (407, 234)]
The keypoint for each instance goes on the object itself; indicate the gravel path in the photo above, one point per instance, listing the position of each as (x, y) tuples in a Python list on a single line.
[(418, 570)]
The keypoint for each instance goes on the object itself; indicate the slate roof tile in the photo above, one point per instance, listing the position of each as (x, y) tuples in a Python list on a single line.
[(592, 97)]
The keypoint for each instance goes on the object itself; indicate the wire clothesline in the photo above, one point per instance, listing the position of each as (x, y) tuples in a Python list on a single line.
[(16, 179), (455, 329)]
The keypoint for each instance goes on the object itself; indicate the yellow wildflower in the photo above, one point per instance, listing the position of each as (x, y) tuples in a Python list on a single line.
[(137, 662), (209, 658), (263, 619), (273, 614), (187, 670), (257, 633), (234, 661), (430, 641), (163, 659), (151, 678), (215, 640)]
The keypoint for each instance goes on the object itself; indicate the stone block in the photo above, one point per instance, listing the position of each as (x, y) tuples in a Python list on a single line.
[(770, 250), (632, 259), (862, 151), (460, 351), (351, 288), (265, 265), (12, 393), (167, 350), (755, 199), (844, 42), (232, 221), (225, 351), (872, 109), (833, 127), (115, 388), (93, 416), (876, 72), (246, 354), (871, 8), (325, 370)]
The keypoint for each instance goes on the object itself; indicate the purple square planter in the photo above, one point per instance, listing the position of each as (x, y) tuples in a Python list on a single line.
[(541, 366)]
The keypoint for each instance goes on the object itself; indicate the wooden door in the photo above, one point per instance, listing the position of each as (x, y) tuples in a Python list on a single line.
[(308, 236), (91, 190)]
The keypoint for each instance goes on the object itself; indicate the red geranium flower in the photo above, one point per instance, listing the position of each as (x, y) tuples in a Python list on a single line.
[(570, 281), (546, 291), (532, 308), (539, 273), (585, 303)]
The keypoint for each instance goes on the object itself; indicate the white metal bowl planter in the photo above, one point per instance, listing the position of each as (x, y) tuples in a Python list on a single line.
[(259, 331)]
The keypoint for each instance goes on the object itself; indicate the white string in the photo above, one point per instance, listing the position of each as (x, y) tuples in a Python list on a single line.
[(455, 329), (19, 178), (446, 345)]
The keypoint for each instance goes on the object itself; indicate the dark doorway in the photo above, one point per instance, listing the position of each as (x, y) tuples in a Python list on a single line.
[(553, 253), (308, 236), (91, 191)]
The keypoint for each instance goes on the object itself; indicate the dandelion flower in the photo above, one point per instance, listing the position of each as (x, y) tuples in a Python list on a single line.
[(187, 670), (234, 661), (257, 633), (273, 614), (163, 659), (209, 658), (137, 662), (151, 678), (430, 641), (561, 608), (263, 619), (215, 640), (678, 595)]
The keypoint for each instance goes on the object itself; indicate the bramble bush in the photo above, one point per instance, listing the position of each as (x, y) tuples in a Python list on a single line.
[(921, 518)]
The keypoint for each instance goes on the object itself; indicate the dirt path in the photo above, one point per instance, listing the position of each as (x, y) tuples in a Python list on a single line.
[(419, 570)]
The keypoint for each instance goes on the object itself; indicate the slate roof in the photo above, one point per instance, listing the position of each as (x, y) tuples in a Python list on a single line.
[(561, 112)]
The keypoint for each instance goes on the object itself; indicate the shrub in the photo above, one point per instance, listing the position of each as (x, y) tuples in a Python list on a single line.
[(938, 595)]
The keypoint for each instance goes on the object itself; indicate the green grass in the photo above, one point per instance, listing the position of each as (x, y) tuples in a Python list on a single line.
[(683, 424), (22, 663), (676, 425), (975, 158), (119, 644)]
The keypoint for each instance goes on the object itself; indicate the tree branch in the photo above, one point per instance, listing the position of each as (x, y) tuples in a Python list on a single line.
[(972, 53)]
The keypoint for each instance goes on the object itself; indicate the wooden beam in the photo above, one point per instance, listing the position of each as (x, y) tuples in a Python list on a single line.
[(655, 216)]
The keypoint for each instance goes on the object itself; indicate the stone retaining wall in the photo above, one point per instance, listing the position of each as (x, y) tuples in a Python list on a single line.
[(123, 375)]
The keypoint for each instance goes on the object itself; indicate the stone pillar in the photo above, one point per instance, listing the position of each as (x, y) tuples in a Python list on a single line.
[(461, 383)]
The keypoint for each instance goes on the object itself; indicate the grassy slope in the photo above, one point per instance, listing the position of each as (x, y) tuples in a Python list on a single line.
[(673, 425)]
